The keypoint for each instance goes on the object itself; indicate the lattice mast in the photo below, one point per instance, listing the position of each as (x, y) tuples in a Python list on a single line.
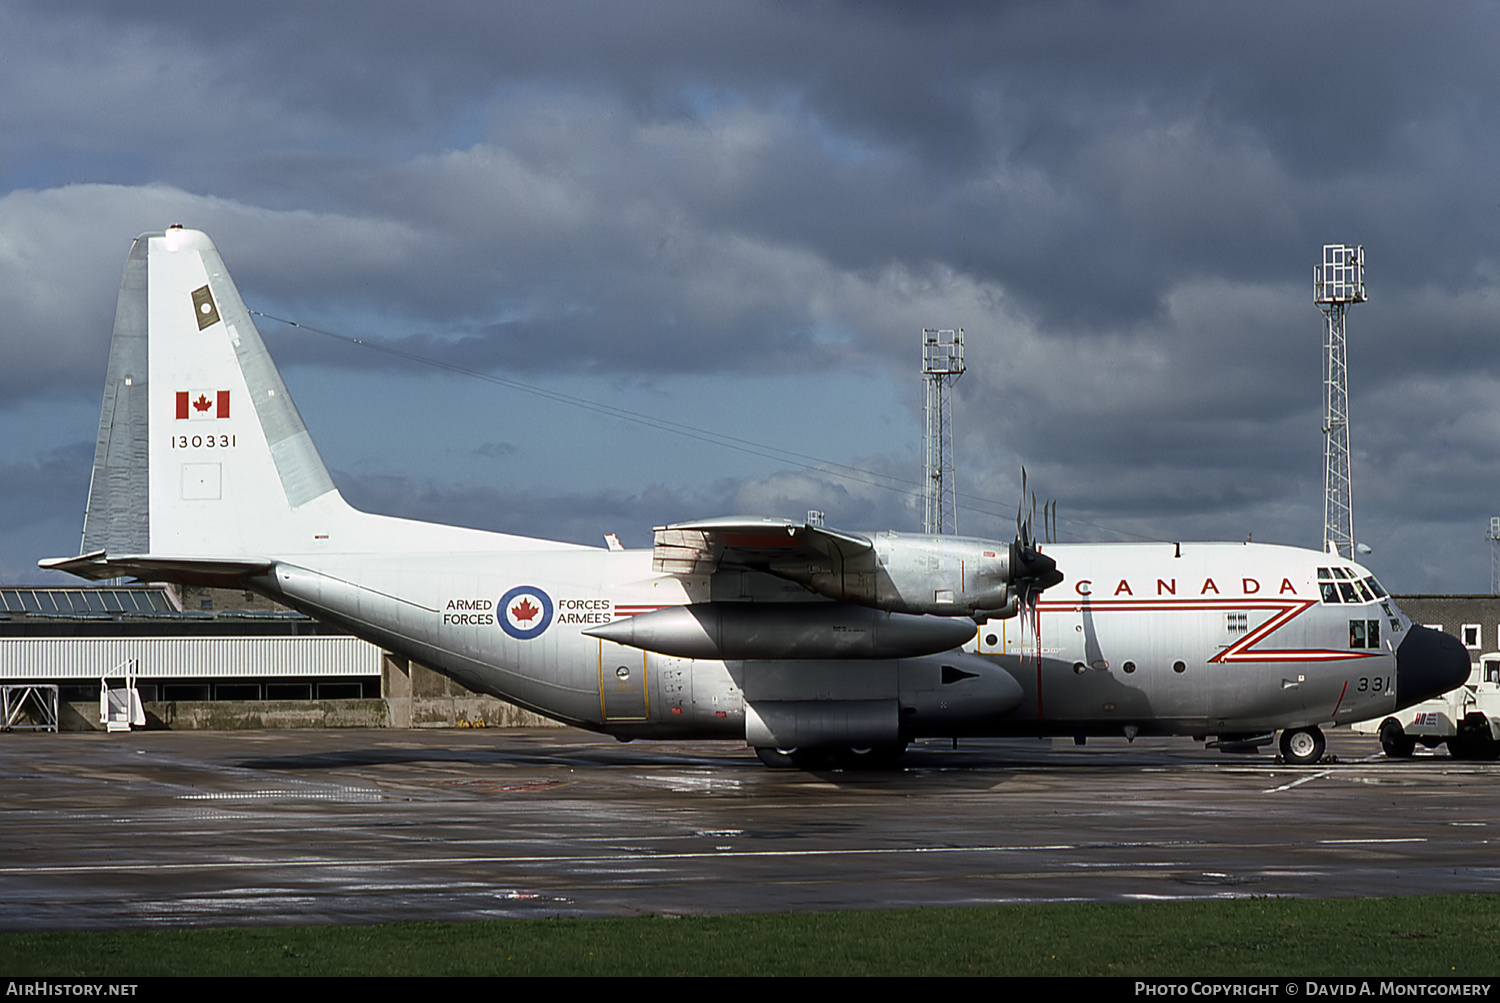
[(1494, 538), (942, 365), (1338, 283)]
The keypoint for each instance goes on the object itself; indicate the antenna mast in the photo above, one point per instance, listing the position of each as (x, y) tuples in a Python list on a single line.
[(1338, 282), (1494, 538), (942, 365)]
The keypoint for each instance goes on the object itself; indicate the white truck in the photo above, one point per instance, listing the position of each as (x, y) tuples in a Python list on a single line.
[(1467, 718)]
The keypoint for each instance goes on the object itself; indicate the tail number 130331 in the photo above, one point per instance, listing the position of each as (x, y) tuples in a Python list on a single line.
[(222, 441)]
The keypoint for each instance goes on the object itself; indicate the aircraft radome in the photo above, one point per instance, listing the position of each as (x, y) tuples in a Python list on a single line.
[(804, 642)]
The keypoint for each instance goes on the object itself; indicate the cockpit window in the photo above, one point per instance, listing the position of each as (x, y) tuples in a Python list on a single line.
[(1364, 633), (1344, 585)]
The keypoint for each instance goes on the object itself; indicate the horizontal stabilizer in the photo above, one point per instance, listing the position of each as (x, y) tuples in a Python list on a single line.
[(97, 566)]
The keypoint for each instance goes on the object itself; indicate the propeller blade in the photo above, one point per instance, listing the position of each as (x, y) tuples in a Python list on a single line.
[(1020, 529)]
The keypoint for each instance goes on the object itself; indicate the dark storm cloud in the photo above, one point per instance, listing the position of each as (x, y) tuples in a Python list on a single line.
[(1088, 157), (36, 489), (1119, 201), (585, 517), (1035, 144)]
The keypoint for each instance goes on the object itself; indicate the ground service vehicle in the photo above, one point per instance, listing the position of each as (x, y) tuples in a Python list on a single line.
[(1467, 719)]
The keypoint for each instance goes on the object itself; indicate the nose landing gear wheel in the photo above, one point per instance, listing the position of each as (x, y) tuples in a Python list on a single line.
[(1302, 746)]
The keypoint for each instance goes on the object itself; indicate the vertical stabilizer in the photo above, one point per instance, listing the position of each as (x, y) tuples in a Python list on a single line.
[(201, 452), (203, 467), (230, 458)]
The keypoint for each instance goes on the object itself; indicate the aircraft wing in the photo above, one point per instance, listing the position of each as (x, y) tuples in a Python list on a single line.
[(704, 546)]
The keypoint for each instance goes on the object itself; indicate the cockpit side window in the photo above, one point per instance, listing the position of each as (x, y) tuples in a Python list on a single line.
[(1364, 633)]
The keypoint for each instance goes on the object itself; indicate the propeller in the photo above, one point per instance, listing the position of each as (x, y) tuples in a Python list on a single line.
[(1031, 571)]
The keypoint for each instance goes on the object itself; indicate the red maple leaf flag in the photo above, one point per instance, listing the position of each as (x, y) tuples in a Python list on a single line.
[(524, 611), (202, 404)]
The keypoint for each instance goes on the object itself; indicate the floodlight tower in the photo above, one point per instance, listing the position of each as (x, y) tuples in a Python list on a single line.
[(1338, 282), (942, 365), (1494, 538)]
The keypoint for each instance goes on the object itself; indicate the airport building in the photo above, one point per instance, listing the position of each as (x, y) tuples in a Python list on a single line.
[(1473, 619), (211, 658)]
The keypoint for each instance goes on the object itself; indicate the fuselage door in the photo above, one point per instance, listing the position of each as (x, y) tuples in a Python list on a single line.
[(622, 683)]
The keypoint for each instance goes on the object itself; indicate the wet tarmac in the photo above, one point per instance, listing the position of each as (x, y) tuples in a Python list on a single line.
[(221, 829)]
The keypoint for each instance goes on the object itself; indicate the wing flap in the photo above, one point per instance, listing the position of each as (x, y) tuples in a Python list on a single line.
[(704, 546)]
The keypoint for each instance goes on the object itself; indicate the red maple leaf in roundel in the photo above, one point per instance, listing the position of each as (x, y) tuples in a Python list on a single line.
[(524, 611)]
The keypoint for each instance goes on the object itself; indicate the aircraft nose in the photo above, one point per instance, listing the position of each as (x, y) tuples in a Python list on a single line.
[(1428, 663)]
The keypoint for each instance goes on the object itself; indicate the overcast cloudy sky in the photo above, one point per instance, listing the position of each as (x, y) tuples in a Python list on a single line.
[(737, 218)]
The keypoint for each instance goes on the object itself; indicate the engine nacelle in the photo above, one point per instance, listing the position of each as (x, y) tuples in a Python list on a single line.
[(754, 630), (915, 573)]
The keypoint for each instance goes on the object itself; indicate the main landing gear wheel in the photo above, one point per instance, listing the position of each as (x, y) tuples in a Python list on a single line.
[(791, 759), (1302, 746), (1396, 743), (872, 757)]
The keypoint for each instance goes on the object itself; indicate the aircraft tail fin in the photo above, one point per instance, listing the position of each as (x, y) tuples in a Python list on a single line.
[(201, 451), (203, 469)]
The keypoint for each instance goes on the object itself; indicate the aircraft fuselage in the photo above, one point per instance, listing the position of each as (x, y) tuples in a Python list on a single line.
[(1160, 638)]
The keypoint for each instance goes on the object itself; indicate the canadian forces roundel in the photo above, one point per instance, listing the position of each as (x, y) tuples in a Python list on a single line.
[(525, 611)]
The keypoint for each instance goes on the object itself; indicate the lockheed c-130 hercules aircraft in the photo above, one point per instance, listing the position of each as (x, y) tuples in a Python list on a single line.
[(807, 643)]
